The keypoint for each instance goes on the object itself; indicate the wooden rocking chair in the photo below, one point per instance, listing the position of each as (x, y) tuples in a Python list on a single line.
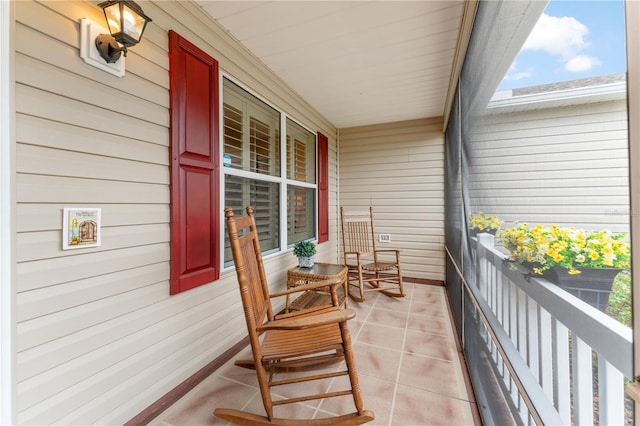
[(380, 269), (289, 342)]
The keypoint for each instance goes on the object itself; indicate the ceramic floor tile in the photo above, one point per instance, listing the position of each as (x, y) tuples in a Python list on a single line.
[(382, 335), (376, 395), (432, 345), (355, 326), (428, 294), (432, 374), (388, 317), (431, 309), (376, 361), (429, 324), (408, 289), (288, 411), (296, 411), (239, 374), (196, 408), (304, 388), (362, 309), (398, 304), (418, 407)]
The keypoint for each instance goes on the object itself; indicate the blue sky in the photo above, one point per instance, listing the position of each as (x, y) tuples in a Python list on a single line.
[(572, 40)]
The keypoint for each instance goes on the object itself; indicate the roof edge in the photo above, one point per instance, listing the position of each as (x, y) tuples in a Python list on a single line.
[(505, 101)]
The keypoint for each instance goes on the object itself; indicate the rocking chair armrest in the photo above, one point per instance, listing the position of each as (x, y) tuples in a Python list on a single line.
[(355, 253), (388, 251), (396, 252), (335, 316), (332, 282), (314, 310)]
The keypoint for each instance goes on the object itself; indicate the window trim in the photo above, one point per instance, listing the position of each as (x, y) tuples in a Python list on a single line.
[(282, 179)]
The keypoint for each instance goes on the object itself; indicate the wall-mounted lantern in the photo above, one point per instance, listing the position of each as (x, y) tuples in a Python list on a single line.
[(126, 22)]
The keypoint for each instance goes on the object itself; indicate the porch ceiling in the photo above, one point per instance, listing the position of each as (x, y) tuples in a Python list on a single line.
[(357, 62)]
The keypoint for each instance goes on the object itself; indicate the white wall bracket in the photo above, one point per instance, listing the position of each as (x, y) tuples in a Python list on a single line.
[(89, 30)]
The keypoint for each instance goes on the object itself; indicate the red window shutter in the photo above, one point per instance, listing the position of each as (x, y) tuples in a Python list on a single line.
[(195, 214), (323, 188)]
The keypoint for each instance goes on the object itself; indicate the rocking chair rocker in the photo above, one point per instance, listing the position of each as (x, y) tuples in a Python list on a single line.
[(290, 342)]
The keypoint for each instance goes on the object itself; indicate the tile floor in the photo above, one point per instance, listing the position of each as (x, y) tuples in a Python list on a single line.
[(410, 368)]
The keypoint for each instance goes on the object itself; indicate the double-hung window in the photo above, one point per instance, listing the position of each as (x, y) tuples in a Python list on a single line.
[(276, 175)]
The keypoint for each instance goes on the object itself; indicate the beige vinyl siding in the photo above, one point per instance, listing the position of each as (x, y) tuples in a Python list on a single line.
[(398, 168), (98, 336), (567, 166)]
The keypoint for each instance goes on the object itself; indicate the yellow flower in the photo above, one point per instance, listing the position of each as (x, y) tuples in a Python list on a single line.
[(482, 222), (551, 246)]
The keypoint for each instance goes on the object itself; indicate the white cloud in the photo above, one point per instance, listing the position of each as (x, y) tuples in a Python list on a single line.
[(562, 37), (581, 63), (514, 74)]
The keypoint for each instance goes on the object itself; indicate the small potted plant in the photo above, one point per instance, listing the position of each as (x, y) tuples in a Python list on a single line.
[(304, 250)]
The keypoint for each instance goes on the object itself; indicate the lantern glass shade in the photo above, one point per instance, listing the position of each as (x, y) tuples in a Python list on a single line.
[(126, 21)]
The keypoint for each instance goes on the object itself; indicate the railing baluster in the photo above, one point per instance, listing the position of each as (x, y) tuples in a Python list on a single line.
[(499, 297), (546, 354), (510, 308), (524, 411), (523, 342), (513, 313), (503, 291), (561, 371), (522, 324), (582, 381), (533, 339), (492, 283), (610, 394), (515, 395)]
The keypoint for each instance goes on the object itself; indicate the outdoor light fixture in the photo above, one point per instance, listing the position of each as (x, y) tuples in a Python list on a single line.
[(126, 22)]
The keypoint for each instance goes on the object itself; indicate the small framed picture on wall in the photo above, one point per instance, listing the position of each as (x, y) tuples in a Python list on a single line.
[(80, 227)]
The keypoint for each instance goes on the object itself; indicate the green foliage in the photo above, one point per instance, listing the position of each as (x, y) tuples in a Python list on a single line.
[(619, 306), (304, 249)]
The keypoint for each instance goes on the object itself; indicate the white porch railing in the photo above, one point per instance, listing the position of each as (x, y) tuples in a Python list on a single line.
[(557, 346)]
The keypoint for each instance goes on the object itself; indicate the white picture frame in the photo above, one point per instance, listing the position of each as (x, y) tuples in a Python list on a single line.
[(81, 228)]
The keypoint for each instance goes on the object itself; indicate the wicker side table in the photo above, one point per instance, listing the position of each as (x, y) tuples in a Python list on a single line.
[(318, 272)]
